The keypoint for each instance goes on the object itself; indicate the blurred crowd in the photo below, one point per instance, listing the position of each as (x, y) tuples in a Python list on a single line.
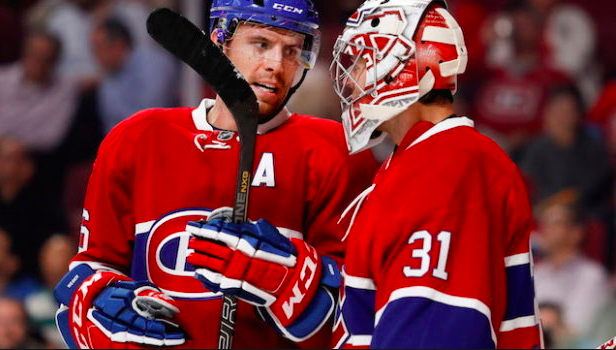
[(541, 82)]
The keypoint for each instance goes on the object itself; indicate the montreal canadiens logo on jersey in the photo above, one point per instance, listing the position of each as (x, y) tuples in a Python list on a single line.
[(162, 247)]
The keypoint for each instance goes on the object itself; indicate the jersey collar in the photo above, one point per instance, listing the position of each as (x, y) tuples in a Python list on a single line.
[(445, 125), (199, 116), (423, 130), (414, 133)]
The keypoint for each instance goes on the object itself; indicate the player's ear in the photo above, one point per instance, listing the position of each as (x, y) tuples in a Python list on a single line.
[(214, 36)]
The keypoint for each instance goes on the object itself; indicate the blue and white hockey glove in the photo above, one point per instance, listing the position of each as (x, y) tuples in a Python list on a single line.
[(256, 263), (107, 310)]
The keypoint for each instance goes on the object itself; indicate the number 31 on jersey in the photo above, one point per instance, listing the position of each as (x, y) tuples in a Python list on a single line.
[(423, 253)]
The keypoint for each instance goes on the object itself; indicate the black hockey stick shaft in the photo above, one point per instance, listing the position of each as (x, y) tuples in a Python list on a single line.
[(190, 44)]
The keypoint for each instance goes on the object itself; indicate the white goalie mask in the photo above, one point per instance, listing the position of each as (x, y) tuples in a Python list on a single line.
[(392, 53)]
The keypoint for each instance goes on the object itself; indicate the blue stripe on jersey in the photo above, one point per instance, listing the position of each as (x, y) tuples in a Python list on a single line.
[(520, 292), (138, 269), (358, 310), (420, 323)]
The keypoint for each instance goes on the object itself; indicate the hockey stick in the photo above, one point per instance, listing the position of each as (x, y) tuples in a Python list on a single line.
[(190, 44)]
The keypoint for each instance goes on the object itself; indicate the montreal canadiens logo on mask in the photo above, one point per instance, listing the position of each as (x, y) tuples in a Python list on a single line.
[(161, 248)]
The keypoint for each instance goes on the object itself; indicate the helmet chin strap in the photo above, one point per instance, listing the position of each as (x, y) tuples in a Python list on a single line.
[(286, 100)]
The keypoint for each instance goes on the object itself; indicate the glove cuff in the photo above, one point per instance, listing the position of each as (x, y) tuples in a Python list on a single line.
[(77, 291), (319, 310), (303, 285)]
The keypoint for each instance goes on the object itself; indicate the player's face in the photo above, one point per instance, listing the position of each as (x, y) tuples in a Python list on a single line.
[(350, 71), (269, 59), (357, 84)]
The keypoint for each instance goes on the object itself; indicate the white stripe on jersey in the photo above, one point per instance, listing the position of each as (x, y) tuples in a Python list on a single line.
[(517, 323), (360, 340), (144, 227), (359, 282), (443, 126), (518, 259)]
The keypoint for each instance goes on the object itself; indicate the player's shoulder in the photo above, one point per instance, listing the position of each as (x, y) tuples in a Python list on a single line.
[(459, 155), (479, 159), (317, 132), (144, 119), (468, 143), (157, 115)]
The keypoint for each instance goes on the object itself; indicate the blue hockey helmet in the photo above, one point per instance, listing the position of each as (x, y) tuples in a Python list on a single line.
[(295, 15)]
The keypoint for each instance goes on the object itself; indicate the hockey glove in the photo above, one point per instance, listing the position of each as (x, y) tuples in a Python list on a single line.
[(102, 309), (259, 265)]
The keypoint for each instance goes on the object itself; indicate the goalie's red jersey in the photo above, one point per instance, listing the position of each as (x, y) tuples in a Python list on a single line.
[(438, 255), (164, 167)]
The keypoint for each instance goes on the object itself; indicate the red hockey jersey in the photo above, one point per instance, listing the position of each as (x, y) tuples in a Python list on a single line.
[(438, 254), (164, 167)]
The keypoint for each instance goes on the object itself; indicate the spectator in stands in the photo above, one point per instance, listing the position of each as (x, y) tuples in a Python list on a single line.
[(571, 44), (9, 265), (136, 78), (509, 103), (27, 210), (564, 276), (16, 169), (566, 156), (36, 106), (72, 22), (14, 328), (41, 306), (12, 284), (556, 335)]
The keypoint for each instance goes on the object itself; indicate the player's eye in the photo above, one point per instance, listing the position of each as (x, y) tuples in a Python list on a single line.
[(261, 45), (292, 52)]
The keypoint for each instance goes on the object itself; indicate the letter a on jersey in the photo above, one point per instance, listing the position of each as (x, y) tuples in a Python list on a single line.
[(265, 172)]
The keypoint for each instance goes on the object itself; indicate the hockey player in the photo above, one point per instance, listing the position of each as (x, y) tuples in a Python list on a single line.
[(132, 283), (438, 250)]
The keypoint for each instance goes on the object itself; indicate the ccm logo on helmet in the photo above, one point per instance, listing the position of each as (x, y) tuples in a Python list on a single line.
[(288, 8)]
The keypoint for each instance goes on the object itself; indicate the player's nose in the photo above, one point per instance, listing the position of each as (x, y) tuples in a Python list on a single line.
[(273, 65), (274, 59)]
